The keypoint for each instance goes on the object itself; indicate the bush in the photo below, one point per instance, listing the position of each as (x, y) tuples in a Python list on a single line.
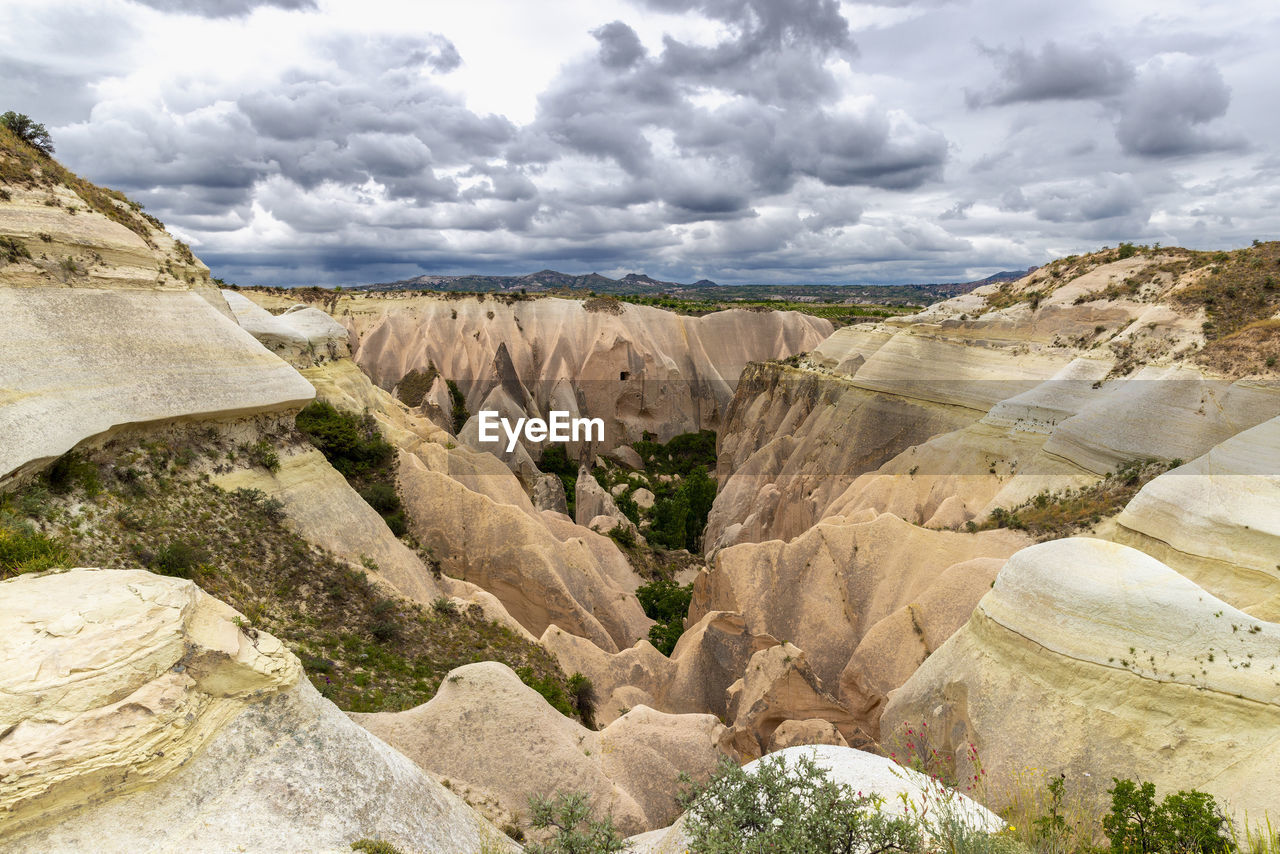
[(352, 445), (796, 809), (623, 535), (262, 454), (678, 520), (23, 549), (374, 846), (574, 830), (31, 132), (668, 603), (13, 250), (179, 558), (583, 696), (459, 401), (1183, 823)]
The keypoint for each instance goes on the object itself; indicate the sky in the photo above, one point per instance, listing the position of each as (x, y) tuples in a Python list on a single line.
[(297, 142)]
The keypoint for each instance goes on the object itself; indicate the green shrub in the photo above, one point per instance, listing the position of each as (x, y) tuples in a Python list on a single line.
[(459, 402), (550, 689), (555, 460), (381, 497), (668, 603), (679, 519), (796, 809), (72, 470), (12, 250), (23, 549), (261, 453), (1183, 823), (179, 558), (374, 846), (623, 535), (352, 445), (582, 694), (574, 831), (28, 130)]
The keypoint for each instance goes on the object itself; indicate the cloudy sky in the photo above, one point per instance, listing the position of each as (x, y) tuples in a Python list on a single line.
[(349, 141)]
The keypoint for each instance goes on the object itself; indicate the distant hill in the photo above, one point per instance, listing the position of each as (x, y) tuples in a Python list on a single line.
[(643, 285)]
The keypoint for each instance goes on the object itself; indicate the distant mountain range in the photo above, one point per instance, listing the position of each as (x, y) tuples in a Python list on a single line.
[(640, 284)]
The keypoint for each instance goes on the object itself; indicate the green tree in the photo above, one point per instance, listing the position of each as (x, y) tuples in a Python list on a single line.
[(29, 131), (1183, 823), (574, 831)]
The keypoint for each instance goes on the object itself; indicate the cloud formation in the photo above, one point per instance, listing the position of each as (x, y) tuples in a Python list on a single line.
[(737, 140)]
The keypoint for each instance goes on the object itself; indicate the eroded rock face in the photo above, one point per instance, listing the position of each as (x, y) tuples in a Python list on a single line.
[(828, 588), (778, 686), (142, 714), (484, 718), (638, 368), (1134, 669), (710, 656), (1216, 520), (117, 674)]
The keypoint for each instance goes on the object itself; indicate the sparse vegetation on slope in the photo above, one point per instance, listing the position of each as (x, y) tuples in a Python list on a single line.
[(1052, 515), (354, 446), (153, 505), (23, 165)]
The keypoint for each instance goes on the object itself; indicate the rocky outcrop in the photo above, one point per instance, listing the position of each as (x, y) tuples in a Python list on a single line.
[(639, 368), (1134, 669), (902, 791), (301, 335), (1216, 520), (595, 508), (826, 590), (779, 686), (78, 363), (710, 657), (483, 717), (141, 713)]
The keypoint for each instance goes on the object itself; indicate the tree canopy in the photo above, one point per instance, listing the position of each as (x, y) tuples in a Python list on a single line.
[(31, 132)]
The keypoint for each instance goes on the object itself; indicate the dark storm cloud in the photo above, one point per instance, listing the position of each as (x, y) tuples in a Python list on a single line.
[(775, 51), (1057, 72), (620, 47), (223, 8), (1165, 112)]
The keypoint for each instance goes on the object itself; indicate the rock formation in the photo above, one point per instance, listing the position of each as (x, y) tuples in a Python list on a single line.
[(638, 368), (141, 713), (1134, 669), (484, 717)]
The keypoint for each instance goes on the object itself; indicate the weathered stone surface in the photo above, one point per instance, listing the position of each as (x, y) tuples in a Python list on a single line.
[(709, 657), (1133, 668), (778, 685), (484, 717), (302, 335), (825, 589), (141, 715), (76, 363), (1216, 520), (548, 494), (592, 501), (639, 369), (793, 733)]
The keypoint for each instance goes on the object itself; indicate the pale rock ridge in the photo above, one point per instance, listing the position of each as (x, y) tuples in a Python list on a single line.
[(525, 567), (779, 467), (302, 335), (483, 716), (78, 363), (1135, 669), (904, 792), (111, 675), (104, 253), (639, 368), (1217, 520), (141, 714)]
